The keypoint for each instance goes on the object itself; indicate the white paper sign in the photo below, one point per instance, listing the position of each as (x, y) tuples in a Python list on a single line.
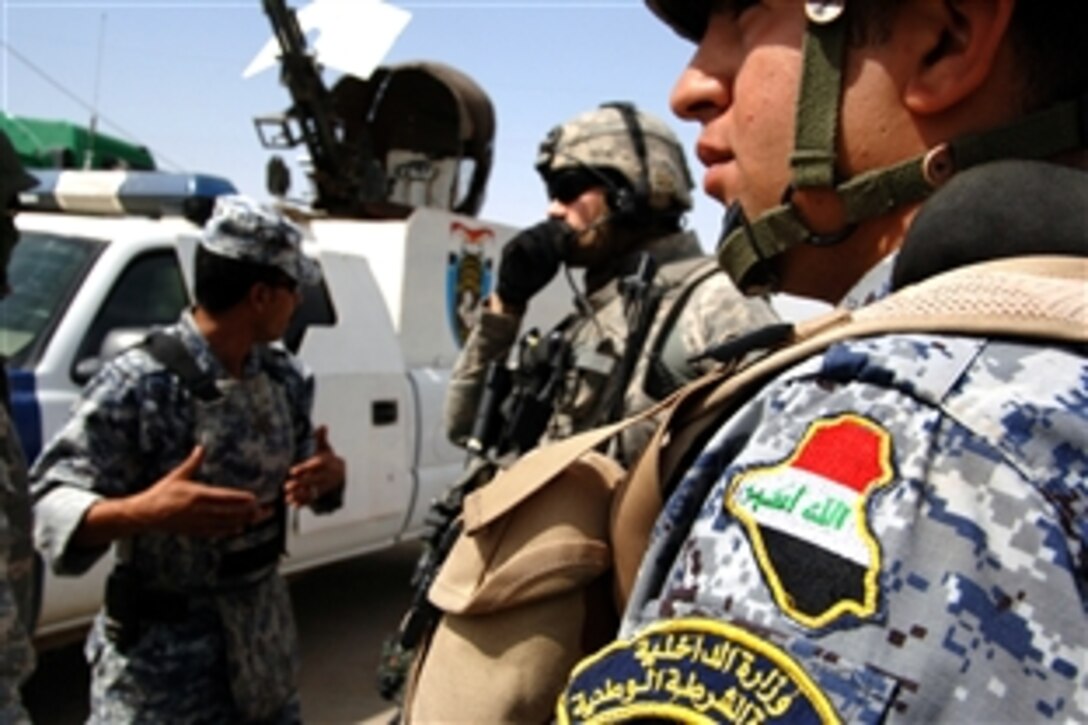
[(353, 35)]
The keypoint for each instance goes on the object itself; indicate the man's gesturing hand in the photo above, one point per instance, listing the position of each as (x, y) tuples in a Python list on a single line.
[(179, 504), (317, 475), (176, 504)]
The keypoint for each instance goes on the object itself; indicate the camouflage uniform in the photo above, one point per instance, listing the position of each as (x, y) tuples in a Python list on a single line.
[(601, 141), (18, 583), (714, 312), (228, 651), (878, 536), (133, 425)]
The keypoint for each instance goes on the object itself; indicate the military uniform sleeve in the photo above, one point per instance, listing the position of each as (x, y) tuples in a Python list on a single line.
[(882, 504), (16, 651), (16, 574), (93, 456), (491, 339)]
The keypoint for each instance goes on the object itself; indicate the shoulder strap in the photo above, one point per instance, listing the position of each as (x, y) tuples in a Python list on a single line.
[(172, 354), (1027, 297), (660, 378), (1030, 297), (175, 357)]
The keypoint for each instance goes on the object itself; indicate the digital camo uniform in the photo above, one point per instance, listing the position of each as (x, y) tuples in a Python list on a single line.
[(601, 138), (215, 638), (714, 312), (17, 578), (712, 308), (253, 435), (874, 535), (18, 585)]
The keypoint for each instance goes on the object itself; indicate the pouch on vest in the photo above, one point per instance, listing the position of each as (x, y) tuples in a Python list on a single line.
[(525, 593)]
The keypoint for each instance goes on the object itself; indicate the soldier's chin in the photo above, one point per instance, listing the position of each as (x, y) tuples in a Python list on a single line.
[(714, 186), (590, 250)]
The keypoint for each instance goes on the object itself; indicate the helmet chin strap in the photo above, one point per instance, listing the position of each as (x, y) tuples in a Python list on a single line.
[(748, 248)]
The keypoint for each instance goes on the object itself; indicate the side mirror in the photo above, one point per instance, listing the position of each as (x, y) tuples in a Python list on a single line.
[(116, 341)]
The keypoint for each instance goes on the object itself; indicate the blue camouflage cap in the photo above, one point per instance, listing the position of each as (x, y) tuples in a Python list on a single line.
[(244, 229)]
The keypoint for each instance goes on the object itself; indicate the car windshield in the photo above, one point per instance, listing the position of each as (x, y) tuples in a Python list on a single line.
[(44, 271)]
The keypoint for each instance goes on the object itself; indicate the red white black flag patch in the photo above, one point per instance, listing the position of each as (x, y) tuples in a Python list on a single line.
[(807, 519)]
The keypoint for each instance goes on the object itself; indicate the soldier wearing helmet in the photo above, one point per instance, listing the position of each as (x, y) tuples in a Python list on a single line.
[(17, 584), (891, 527), (619, 186)]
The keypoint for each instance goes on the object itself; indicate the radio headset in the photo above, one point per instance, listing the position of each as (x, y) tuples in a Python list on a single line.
[(630, 207)]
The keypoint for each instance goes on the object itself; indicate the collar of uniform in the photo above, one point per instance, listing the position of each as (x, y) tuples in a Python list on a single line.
[(198, 347), (874, 285), (663, 250)]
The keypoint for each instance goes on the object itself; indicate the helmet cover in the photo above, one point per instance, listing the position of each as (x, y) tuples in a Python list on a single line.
[(601, 140)]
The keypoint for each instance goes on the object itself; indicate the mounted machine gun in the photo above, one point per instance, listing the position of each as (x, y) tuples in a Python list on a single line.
[(382, 146)]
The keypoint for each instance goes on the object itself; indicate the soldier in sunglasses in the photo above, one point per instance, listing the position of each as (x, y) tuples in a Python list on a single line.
[(619, 186)]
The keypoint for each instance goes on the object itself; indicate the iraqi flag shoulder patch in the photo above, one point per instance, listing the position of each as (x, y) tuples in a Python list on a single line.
[(807, 519)]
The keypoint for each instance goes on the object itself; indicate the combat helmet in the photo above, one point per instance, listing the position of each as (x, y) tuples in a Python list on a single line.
[(13, 177), (748, 249), (635, 155)]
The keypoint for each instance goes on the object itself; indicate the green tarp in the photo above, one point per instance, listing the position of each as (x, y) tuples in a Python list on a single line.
[(46, 144)]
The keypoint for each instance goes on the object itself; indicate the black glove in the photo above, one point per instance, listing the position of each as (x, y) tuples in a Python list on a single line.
[(531, 259)]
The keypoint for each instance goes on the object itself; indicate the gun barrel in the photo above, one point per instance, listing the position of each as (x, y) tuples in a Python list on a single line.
[(484, 427)]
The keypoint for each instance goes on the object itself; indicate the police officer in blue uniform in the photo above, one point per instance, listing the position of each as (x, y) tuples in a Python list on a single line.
[(893, 529), (185, 452)]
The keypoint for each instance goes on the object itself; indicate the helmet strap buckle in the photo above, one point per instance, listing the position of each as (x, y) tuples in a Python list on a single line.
[(938, 166)]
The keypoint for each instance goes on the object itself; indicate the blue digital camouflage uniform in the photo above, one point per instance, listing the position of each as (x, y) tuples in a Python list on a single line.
[(233, 656), (875, 536), (17, 575)]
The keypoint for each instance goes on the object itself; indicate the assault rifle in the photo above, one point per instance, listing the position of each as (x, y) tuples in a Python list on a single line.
[(513, 414), (345, 176)]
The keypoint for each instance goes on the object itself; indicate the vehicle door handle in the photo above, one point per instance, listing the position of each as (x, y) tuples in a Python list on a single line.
[(383, 412)]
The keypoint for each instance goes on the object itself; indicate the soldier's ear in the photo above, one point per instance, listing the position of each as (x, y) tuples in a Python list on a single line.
[(260, 295), (959, 45)]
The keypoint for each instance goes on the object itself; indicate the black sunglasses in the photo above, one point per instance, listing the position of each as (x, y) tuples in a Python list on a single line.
[(566, 186)]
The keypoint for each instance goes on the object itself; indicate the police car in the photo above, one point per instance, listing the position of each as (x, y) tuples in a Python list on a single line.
[(105, 255)]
